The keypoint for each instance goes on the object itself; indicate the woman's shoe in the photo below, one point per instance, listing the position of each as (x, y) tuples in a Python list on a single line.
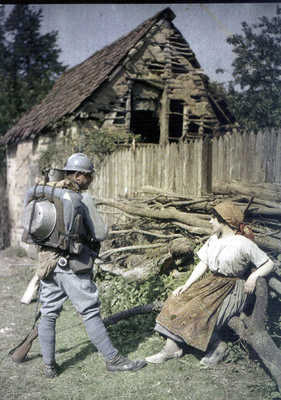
[(215, 355), (163, 356)]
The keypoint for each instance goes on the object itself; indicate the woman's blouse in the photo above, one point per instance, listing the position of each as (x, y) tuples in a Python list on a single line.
[(231, 256)]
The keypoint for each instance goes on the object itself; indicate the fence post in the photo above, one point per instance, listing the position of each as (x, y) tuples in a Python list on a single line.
[(204, 159)]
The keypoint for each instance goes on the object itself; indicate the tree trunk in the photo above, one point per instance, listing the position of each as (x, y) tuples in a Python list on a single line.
[(252, 330), (170, 214), (265, 192)]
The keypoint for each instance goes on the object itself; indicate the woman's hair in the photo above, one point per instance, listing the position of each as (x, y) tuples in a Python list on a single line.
[(215, 214)]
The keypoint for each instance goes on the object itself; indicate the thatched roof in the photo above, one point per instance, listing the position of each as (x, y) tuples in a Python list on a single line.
[(79, 82)]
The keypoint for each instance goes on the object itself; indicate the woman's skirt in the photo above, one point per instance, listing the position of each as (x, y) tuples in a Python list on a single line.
[(208, 304)]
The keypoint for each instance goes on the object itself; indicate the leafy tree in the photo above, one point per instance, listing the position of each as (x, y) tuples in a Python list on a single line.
[(255, 93), (28, 62), (3, 76)]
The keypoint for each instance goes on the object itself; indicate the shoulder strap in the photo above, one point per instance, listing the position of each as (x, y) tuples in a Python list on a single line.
[(33, 209)]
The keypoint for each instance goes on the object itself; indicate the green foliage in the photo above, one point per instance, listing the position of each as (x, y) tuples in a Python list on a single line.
[(117, 294), (235, 352), (28, 62), (254, 93), (96, 143)]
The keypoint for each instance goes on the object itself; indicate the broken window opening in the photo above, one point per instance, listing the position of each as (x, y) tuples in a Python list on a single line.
[(119, 118), (157, 69), (179, 69), (146, 124), (193, 128), (175, 120)]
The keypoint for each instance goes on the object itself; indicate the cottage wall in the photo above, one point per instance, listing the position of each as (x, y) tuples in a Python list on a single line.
[(22, 170), (4, 212)]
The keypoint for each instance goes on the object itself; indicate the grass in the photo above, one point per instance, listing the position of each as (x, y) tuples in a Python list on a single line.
[(83, 374)]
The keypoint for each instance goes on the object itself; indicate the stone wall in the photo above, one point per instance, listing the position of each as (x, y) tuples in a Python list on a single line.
[(22, 170), (4, 212)]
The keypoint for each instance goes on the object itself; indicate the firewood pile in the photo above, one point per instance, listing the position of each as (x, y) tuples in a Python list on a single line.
[(160, 232)]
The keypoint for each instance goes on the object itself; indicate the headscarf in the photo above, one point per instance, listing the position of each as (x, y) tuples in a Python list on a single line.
[(234, 217)]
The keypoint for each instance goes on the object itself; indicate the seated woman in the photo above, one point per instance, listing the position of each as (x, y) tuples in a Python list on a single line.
[(195, 312)]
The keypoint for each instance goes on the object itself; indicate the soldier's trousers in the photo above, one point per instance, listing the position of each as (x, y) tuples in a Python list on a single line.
[(83, 294)]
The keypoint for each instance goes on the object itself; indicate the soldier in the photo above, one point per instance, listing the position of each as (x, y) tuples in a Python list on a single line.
[(66, 256)]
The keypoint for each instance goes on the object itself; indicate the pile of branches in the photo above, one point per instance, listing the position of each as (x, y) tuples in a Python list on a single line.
[(159, 233)]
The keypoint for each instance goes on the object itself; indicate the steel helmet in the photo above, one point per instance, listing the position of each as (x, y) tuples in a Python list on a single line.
[(79, 162)]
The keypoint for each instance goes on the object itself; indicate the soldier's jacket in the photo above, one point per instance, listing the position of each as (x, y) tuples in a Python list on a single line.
[(70, 203)]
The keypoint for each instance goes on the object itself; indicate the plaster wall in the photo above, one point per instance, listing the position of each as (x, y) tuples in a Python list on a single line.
[(22, 170)]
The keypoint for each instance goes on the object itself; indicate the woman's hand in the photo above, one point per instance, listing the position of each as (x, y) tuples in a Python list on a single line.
[(264, 270), (250, 284), (195, 275), (179, 290)]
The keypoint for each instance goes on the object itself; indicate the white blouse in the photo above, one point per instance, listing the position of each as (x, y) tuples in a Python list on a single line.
[(231, 256)]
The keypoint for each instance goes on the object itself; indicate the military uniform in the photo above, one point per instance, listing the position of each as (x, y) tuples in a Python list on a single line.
[(67, 256)]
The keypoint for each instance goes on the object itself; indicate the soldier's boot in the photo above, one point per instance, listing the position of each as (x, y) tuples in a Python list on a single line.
[(51, 370), (121, 363)]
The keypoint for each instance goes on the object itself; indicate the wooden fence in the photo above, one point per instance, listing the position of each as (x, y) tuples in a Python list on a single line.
[(173, 167), (193, 168), (247, 157)]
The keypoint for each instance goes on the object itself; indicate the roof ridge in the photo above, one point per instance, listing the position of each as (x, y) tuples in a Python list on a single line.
[(167, 12), (70, 89)]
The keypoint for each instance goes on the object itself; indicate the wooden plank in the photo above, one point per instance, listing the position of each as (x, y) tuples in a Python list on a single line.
[(138, 169), (251, 175), (273, 154), (231, 156), (220, 159), (166, 168), (193, 169), (260, 161), (278, 158), (214, 160), (228, 150)]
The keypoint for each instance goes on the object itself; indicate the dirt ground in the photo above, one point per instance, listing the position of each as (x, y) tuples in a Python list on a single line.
[(84, 375)]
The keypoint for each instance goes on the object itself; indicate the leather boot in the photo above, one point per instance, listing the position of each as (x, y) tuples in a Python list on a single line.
[(120, 363), (51, 370)]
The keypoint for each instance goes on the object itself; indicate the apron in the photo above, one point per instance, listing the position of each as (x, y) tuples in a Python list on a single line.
[(192, 316)]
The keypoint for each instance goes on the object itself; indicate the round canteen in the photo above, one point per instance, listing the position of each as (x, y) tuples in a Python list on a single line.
[(43, 220)]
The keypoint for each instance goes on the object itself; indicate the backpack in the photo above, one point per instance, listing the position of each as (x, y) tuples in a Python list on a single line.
[(44, 219)]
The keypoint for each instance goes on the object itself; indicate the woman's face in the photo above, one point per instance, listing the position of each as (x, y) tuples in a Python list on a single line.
[(216, 225)]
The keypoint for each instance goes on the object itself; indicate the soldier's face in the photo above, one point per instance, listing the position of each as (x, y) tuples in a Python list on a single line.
[(84, 180)]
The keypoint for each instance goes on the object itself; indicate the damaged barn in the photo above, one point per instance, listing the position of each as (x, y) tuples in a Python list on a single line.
[(158, 91), (147, 87)]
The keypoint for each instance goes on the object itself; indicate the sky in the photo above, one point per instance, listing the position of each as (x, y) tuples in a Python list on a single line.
[(85, 28)]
